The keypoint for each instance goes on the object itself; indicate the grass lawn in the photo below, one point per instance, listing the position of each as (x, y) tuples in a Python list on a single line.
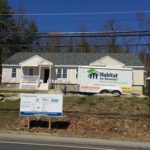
[(9, 112), (101, 104)]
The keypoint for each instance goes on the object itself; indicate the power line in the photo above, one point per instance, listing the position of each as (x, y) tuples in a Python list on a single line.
[(96, 45), (84, 21), (81, 34), (75, 13)]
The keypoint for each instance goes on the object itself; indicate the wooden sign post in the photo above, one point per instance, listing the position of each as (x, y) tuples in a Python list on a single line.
[(49, 124), (28, 123)]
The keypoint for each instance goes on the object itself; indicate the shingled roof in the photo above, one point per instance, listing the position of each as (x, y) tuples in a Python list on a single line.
[(75, 58)]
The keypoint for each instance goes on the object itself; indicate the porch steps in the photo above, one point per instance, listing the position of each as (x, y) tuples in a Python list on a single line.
[(43, 86)]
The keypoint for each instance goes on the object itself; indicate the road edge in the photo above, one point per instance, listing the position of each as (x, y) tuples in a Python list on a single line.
[(72, 141)]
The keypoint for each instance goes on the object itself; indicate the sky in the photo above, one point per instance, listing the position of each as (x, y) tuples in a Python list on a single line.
[(73, 23)]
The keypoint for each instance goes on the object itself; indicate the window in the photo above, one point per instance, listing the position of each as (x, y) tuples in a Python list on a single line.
[(58, 73), (62, 73), (30, 71), (13, 74)]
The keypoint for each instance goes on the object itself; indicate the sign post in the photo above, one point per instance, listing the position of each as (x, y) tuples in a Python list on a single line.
[(28, 125), (47, 105), (49, 124)]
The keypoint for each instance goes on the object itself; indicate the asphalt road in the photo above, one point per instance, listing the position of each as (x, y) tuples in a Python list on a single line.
[(39, 142), (27, 146), (5, 145)]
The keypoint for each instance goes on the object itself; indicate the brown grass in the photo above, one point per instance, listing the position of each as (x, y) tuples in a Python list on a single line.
[(88, 116)]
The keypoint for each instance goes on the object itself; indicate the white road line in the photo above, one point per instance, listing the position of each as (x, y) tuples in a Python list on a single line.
[(53, 145)]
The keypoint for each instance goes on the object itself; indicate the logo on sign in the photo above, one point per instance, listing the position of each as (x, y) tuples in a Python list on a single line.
[(94, 74)]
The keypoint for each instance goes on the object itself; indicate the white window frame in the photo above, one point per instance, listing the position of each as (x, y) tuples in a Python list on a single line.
[(61, 73), (77, 73), (64, 73), (14, 72)]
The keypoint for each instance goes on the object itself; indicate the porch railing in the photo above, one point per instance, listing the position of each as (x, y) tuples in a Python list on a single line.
[(33, 81), (29, 79)]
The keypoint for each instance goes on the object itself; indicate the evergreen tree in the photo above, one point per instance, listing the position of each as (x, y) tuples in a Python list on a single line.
[(6, 26), (25, 31), (15, 31)]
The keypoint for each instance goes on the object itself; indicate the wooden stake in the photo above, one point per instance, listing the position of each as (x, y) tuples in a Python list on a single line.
[(49, 124), (28, 119)]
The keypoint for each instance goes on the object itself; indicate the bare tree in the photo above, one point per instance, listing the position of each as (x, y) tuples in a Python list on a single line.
[(143, 21), (53, 43), (70, 45), (82, 43), (111, 25), (128, 42), (25, 32)]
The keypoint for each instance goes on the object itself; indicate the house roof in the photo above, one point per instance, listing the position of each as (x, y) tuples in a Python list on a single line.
[(75, 58)]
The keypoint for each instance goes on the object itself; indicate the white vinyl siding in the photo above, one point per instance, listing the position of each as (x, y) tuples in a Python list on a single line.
[(107, 62), (8, 72), (138, 77)]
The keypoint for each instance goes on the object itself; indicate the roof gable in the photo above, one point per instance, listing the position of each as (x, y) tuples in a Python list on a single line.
[(35, 61), (107, 61)]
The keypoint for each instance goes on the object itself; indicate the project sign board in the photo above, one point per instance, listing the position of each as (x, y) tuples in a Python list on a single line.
[(50, 105)]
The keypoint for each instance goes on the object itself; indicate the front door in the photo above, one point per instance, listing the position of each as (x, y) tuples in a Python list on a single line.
[(46, 75)]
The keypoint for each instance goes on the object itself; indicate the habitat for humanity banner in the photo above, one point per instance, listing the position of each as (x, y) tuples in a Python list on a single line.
[(41, 105)]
